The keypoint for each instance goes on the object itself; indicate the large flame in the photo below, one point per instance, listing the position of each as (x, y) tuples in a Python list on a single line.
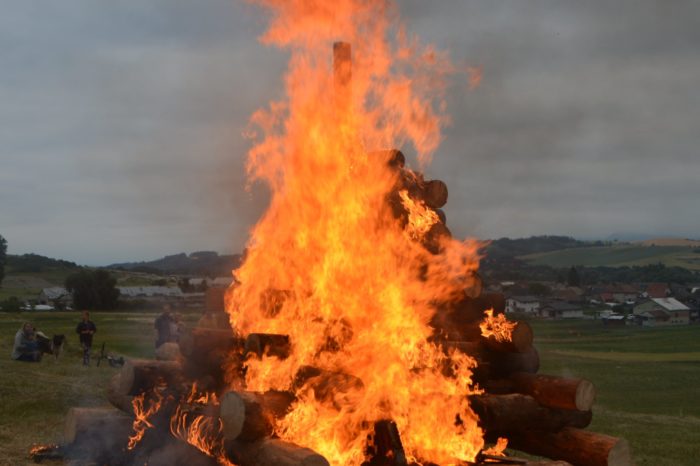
[(330, 265)]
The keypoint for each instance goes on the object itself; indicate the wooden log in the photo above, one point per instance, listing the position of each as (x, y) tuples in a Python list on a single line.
[(503, 364), (139, 375), (393, 157), (268, 344), (98, 435), (520, 342), (505, 414), (272, 452), (342, 76), (207, 352), (555, 392), (171, 452), (201, 341), (336, 388), (384, 446), (494, 365), (249, 416), (116, 398), (435, 194), (169, 351), (578, 447)]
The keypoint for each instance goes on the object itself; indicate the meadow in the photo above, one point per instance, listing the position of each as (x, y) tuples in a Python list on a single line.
[(618, 256), (647, 379)]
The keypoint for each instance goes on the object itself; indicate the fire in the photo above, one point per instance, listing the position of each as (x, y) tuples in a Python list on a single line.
[(498, 449), (330, 265), (420, 217), (144, 409), (195, 427), (498, 327)]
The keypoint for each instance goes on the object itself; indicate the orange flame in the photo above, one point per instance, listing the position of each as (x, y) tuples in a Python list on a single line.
[(420, 217), (352, 287), (199, 430), (498, 327), (498, 449), (144, 409)]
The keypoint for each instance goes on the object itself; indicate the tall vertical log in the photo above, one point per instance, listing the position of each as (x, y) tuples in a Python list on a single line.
[(342, 75)]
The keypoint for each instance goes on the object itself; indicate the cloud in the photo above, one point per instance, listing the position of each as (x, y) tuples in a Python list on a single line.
[(121, 122)]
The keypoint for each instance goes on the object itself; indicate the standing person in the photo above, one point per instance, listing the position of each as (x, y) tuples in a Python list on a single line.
[(26, 347), (163, 326), (86, 329)]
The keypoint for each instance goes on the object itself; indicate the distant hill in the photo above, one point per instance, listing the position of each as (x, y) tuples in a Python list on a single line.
[(34, 263), (619, 255), (508, 248), (203, 263)]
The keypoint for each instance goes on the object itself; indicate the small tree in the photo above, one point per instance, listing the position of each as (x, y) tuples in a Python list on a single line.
[(93, 289), (572, 279), (3, 257)]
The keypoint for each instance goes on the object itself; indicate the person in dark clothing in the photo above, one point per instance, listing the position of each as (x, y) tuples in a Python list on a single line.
[(86, 329), (26, 347), (164, 324)]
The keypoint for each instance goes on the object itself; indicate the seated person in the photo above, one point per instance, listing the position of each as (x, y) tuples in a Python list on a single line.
[(26, 347)]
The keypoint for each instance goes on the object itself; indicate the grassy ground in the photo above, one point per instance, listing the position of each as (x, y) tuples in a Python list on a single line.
[(648, 382), (36, 397), (617, 256), (647, 379)]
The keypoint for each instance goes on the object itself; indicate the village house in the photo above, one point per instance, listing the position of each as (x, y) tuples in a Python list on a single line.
[(561, 310), (526, 304), (56, 295), (662, 311)]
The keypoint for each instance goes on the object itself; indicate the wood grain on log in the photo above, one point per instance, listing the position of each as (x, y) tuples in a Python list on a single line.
[(556, 392), (504, 414), (435, 194), (250, 416), (578, 447)]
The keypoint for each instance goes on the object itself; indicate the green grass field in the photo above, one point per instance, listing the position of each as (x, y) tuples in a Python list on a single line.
[(648, 380), (618, 256)]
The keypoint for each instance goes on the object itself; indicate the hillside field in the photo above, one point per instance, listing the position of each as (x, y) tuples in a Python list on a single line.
[(618, 256), (647, 380)]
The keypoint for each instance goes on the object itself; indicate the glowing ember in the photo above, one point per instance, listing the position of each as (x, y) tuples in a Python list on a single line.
[(144, 408), (498, 327), (354, 287)]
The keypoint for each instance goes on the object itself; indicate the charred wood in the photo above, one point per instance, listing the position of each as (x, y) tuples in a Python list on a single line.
[(272, 452), (268, 344)]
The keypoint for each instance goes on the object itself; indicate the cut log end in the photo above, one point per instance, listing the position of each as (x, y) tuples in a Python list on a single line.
[(585, 395)]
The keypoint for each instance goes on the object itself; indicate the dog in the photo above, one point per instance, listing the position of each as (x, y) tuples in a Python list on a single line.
[(53, 345)]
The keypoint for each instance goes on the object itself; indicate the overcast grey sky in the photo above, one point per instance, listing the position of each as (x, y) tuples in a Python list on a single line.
[(120, 122)]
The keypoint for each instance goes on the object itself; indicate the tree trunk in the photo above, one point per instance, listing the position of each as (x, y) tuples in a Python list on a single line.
[(249, 416), (578, 447), (272, 452), (555, 392), (504, 414)]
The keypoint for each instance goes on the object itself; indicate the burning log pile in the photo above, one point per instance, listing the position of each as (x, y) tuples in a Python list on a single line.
[(360, 334), (191, 406)]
